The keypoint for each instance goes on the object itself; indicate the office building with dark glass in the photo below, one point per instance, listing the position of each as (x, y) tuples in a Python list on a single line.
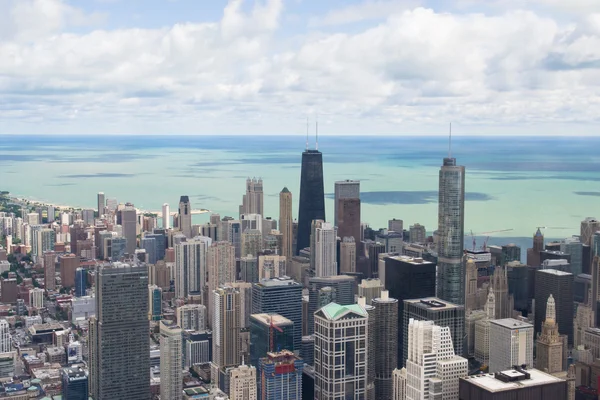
[(281, 296), (312, 196), (323, 290), (75, 384), (119, 338)]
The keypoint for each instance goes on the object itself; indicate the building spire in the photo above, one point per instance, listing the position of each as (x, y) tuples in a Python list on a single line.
[(450, 142), (307, 132), (550, 309), (317, 132)]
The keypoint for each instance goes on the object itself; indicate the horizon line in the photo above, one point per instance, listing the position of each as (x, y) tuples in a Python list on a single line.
[(478, 135)]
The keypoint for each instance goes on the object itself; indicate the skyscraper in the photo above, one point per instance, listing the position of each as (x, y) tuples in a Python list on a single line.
[(191, 258), (443, 314), (252, 242), (340, 352), (348, 255), (511, 343), (80, 282), (385, 343), (280, 375), (271, 266), (119, 341), (129, 223), (286, 222), (312, 196), (75, 384), (101, 204), (451, 221), (281, 296), (154, 303), (348, 189), (342, 291), (559, 284), (184, 217), (166, 216), (270, 333), (221, 270), (242, 383), (50, 270), (226, 328), (191, 317), (533, 254), (549, 350), (417, 234), (5, 338), (171, 350), (253, 200), (323, 251), (433, 369)]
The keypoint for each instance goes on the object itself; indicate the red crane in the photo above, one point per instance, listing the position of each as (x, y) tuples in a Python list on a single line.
[(272, 334)]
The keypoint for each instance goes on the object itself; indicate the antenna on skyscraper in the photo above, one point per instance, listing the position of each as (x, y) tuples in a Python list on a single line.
[(307, 132), (317, 133), (450, 142)]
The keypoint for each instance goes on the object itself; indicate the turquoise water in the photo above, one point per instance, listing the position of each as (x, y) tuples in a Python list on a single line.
[(512, 183)]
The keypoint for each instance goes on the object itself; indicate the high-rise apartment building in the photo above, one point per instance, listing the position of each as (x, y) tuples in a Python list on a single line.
[(442, 313), (399, 379), (154, 303), (323, 248), (549, 349), (221, 270), (101, 204), (348, 189), (50, 270), (253, 200), (286, 223), (385, 343), (252, 242), (191, 266), (36, 298), (312, 196), (281, 296), (417, 234), (184, 216), (347, 255), (242, 383), (433, 369), (171, 351), (226, 327), (340, 352), (192, 317), (341, 290), (129, 224), (451, 221), (166, 216), (68, 268), (511, 343), (559, 284), (280, 375), (271, 266), (119, 341)]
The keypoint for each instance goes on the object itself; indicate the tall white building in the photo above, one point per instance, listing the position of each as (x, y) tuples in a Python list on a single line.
[(171, 373), (432, 368), (101, 206), (399, 384), (325, 240), (340, 355), (166, 216), (192, 317), (36, 298), (5, 340), (191, 266), (511, 343), (482, 331), (242, 383)]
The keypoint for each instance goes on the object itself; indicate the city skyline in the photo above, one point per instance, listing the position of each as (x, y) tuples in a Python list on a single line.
[(183, 73)]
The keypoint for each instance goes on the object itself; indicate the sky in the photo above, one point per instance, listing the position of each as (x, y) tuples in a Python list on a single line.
[(358, 67)]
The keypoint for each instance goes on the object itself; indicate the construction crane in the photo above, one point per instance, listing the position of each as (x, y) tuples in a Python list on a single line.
[(272, 334), (484, 247)]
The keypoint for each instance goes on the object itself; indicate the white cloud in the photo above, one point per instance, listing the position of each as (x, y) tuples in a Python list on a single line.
[(369, 10), (412, 72)]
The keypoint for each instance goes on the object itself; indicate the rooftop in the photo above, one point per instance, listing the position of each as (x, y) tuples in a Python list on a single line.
[(555, 272), (280, 281), (411, 260), (432, 303), (512, 323), (490, 383), (266, 319), (335, 311)]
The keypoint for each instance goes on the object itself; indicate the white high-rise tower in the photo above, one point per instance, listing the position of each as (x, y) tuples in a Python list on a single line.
[(324, 247), (166, 216)]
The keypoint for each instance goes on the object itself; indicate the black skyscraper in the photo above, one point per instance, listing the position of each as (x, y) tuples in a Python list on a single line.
[(312, 196)]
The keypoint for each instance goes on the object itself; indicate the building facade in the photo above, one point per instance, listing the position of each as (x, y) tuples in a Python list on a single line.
[(511, 343), (171, 351), (312, 196)]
